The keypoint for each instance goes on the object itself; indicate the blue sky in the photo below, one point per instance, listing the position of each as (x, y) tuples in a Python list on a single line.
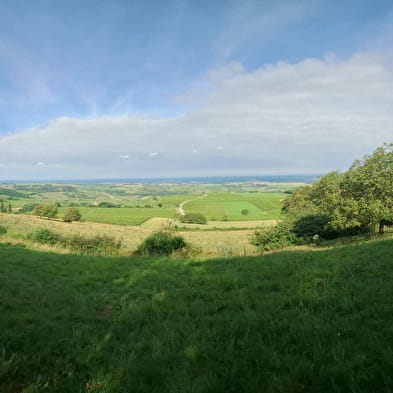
[(158, 74)]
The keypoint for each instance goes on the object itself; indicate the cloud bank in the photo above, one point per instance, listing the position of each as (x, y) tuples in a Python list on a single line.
[(312, 116)]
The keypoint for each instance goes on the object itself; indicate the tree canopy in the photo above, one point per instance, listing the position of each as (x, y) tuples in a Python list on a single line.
[(361, 197)]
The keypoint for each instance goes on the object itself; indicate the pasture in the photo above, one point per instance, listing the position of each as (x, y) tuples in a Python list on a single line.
[(123, 215), (228, 206), (211, 243), (288, 322)]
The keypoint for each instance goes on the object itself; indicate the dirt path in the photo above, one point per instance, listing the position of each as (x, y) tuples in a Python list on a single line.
[(181, 206)]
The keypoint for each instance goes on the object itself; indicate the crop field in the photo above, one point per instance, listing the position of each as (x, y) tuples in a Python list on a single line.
[(228, 206), (123, 215), (288, 322)]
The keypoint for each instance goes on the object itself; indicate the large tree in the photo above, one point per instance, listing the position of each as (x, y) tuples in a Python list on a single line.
[(370, 183), (358, 198), (48, 210)]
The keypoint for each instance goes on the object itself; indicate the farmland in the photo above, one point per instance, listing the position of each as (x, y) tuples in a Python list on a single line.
[(228, 206), (124, 204), (122, 215)]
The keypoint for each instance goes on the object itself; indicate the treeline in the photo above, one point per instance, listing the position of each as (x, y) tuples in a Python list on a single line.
[(357, 201), (12, 193)]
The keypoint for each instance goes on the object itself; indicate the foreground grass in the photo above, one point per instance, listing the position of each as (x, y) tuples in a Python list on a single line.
[(288, 322)]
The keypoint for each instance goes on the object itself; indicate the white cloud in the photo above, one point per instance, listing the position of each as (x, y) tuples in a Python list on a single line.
[(312, 116)]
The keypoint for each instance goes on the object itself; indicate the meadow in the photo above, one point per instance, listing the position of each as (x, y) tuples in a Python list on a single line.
[(228, 206), (123, 215), (288, 322), (210, 242)]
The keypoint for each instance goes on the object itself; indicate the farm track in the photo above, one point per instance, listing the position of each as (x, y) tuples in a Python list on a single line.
[(181, 206)]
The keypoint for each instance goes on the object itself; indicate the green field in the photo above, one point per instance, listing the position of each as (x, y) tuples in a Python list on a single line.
[(176, 200), (288, 322), (123, 215), (261, 206), (136, 203)]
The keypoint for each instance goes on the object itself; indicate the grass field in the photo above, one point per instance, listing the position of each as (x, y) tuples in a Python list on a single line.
[(288, 322), (261, 206), (158, 223), (211, 243), (124, 215), (216, 206)]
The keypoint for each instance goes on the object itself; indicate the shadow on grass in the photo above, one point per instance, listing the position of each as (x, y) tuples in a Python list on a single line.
[(287, 322)]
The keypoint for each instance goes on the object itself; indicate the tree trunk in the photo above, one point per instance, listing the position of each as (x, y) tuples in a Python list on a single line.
[(381, 227)]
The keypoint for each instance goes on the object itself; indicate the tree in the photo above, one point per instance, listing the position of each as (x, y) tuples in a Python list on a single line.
[(245, 212), (358, 198), (72, 214), (48, 210), (370, 183)]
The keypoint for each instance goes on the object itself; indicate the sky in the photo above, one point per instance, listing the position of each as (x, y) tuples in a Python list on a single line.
[(123, 89)]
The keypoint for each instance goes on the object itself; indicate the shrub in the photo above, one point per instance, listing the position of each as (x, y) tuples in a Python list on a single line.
[(273, 238), (245, 212), (193, 218), (46, 236), (101, 245), (72, 214), (28, 208), (108, 204), (3, 230), (161, 243)]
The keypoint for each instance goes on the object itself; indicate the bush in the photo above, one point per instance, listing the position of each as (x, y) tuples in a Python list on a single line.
[(245, 212), (3, 230), (108, 204), (193, 218), (273, 238), (28, 208), (72, 214), (101, 245), (161, 243), (46, 236)]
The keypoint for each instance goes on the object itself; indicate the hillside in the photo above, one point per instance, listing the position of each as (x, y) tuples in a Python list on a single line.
[(288, 322)]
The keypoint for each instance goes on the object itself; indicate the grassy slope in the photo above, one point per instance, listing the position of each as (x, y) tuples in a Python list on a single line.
[(288, 322), (212, 243)]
